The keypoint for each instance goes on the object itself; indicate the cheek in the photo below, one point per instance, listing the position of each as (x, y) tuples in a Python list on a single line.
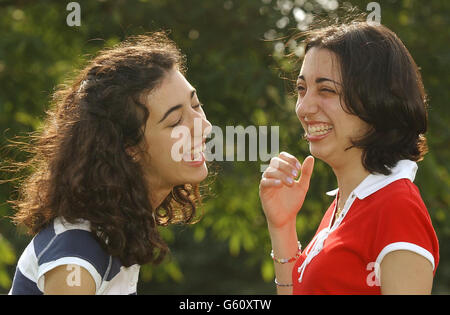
[(159, 149), (168, 151), (354, 127)]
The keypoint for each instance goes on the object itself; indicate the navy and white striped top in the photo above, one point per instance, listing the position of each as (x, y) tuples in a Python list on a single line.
[(63, 243)]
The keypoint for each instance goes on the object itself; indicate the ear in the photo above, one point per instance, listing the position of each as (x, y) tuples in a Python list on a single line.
[(132, 152)]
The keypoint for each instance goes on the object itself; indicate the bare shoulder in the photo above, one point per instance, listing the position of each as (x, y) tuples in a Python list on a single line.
[(69, 279), (405, 272)]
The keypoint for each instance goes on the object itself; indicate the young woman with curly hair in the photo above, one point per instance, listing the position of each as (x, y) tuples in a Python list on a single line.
[(362, 105), (104, 176)]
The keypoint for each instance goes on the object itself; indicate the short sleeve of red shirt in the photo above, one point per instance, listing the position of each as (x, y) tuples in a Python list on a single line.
[(403, 223)]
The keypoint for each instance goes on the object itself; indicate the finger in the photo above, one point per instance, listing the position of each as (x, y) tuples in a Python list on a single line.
[(269, 182), (306, 172), (279, 164), (272, 173), (290, 159)]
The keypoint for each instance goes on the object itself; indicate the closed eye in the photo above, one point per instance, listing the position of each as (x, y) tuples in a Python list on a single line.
[(198, 105), (175, 124), (181, 118), (328, 90)]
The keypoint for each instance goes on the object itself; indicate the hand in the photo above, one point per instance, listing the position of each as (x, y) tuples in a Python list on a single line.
[(281, 195)]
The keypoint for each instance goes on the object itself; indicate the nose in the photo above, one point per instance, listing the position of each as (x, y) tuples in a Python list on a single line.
[(200, 126), (306, 105), (207, 127)]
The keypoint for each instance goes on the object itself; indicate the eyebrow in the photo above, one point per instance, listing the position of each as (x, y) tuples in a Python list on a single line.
[(319, 80), (176, 107)]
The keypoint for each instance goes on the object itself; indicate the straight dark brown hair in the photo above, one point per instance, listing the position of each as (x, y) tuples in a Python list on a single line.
[(382, 85)]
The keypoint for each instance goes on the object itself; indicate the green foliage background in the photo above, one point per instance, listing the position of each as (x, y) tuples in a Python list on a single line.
[(234, 61)]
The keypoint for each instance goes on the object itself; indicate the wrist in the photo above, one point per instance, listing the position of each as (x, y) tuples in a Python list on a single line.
[(284, 230), (289, 259), (284, 240)]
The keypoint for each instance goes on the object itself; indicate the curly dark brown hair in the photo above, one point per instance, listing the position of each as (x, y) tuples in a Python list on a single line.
[(80, 166)]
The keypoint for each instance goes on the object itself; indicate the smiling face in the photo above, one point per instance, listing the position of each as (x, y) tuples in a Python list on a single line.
[(174, 104), (329, 129)]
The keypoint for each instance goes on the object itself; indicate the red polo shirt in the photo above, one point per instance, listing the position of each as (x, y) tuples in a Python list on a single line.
[(383, 214)]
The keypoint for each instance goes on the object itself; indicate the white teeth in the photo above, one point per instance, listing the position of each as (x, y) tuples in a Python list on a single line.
[(199, 149), (196, 157), (319, 129), (195, 154)]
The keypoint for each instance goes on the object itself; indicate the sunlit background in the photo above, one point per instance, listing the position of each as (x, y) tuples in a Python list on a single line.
[(236, 57)]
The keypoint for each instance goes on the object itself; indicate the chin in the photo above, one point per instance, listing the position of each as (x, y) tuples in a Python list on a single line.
[(202, 174), (194, 175), (315, 150), (319, 152)]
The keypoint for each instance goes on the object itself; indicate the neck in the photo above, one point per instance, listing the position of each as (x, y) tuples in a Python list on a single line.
[(349, 176), (158, 190), (157, 196)]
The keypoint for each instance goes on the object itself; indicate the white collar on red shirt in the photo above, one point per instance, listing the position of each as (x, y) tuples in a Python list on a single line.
[(374, 182)]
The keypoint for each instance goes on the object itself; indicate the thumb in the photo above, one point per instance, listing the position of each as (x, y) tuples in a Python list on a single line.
[(306, 172)]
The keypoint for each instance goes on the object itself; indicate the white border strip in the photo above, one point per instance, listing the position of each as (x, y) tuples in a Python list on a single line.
[(405, 246)]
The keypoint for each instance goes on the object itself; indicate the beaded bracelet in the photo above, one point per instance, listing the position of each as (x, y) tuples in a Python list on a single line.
[(283, 284), (287, 260)]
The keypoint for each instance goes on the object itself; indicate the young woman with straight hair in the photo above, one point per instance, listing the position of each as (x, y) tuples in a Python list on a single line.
[(363, 107)]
